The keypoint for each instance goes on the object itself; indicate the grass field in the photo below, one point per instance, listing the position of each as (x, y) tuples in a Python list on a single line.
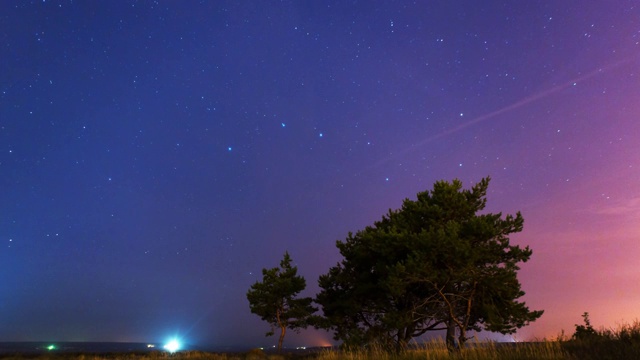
[(622, 343)]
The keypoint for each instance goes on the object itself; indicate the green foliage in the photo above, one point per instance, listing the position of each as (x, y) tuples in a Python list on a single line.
[(433, 264), (274, 299)]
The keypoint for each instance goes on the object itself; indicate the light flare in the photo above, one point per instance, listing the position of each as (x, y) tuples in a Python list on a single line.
[(172, 346)]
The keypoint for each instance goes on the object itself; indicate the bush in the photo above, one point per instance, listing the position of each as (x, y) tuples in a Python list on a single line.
[(588, 343)]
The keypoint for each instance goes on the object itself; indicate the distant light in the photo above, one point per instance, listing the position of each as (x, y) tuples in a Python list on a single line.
[(229, 148), (172, 346), (150, 346), (51, 347), (283, 124)]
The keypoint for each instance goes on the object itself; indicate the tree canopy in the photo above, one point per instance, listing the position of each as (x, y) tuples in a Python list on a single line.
[(433, 264), (274, 299)]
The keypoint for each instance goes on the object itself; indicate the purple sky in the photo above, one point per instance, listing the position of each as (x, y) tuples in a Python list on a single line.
[(155, 156)]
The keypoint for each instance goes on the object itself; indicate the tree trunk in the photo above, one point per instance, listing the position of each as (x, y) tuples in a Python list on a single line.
[(283, 330), (451, 335), (462, 338), (402, 340)]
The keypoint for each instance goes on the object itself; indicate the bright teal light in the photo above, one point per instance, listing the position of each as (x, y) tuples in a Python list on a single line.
[(51, 347), (172, 346)]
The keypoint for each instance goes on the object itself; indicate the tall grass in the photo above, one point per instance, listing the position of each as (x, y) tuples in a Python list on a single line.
[(437, 350), (621, 343), (255, 354)]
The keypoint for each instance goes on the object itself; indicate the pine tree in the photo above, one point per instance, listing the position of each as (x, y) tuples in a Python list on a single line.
[(274, 299), (433, 264)]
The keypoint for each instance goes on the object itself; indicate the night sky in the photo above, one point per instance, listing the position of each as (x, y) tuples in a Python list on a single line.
[(155, 156)]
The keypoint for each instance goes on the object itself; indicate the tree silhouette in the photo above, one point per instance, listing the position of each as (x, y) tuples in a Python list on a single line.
[(433, 264), (274, 299)]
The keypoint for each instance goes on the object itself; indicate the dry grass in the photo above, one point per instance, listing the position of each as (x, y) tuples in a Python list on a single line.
[(478, 351), (620, 343), (255, 354)]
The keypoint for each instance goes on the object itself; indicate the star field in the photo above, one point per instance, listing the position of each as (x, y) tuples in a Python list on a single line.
[(156, 155)]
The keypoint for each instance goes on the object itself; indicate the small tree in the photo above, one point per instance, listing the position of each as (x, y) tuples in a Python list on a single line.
[(586, 331), (274, 299)]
